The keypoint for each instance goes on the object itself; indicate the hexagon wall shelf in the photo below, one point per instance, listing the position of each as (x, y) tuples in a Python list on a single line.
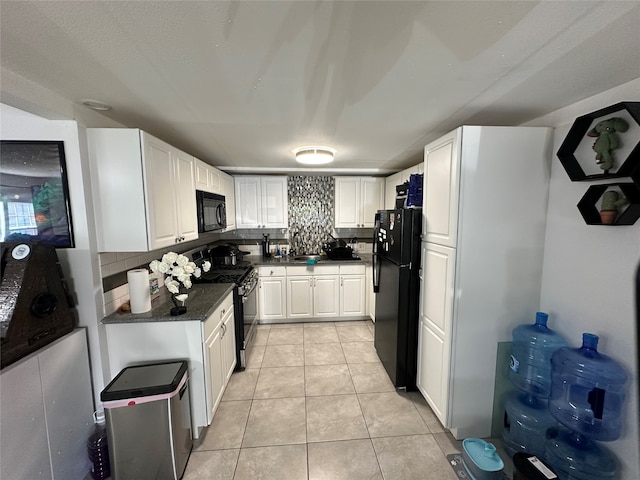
[(588, 205), (576, 152)]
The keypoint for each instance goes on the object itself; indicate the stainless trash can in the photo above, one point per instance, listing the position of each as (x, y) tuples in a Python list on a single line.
[(148, 420)]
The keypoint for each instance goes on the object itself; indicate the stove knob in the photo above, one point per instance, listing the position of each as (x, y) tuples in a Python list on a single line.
[(43, 305)]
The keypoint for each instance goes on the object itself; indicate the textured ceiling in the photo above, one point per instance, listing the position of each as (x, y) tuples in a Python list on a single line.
[(241, 84)]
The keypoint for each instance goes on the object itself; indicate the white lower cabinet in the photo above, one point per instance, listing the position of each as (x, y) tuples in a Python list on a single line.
[(208, 347), (272, 293), (352, 291), (46, 411), (435, 335), (313, 292), (219, 348)]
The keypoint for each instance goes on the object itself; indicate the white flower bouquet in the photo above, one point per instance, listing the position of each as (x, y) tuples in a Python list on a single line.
[(177, 270)]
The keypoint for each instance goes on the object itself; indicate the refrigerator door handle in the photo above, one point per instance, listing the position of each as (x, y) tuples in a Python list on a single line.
[(376, 274), (375, 259)]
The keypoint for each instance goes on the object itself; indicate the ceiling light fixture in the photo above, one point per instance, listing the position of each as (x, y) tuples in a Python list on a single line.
[(96, 105), (314, 155)]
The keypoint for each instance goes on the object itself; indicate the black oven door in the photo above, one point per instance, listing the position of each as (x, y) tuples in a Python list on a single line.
[(212, 214), (246, 322)]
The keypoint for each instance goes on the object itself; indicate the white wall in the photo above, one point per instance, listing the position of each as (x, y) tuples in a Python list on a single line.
[(588, 271)]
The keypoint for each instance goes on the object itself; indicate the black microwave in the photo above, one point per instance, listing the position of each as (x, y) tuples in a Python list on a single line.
[(212, 213)]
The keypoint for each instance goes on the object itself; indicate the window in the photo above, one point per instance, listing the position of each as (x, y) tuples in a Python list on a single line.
[(21, 218)]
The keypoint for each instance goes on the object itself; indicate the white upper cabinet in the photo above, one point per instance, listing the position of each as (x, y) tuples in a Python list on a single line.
[(261, 202), (398, 179), (357, 201), (207, 177), (440, 193), (143, 191), (228, 190)]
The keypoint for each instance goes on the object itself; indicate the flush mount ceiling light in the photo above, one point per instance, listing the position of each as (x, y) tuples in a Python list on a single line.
[(96, 105), (314, 155)]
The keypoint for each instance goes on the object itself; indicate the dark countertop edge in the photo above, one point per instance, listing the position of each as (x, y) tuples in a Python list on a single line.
[(203, 299), (258, 261)]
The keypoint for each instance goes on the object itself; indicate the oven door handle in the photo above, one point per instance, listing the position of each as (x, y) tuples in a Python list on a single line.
[(246, 295)]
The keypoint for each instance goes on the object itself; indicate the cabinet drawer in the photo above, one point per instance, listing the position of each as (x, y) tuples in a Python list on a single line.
[(213, 321), (313, 270), (352, 269), (269, 271)]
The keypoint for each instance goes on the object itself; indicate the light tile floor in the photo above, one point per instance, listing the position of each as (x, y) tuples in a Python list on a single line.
[(315, 403)]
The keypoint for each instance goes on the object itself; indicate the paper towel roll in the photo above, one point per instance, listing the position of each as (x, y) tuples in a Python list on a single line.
[(139, 292)]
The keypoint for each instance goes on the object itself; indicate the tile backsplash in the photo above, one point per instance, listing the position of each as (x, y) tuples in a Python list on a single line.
[(311, 210)]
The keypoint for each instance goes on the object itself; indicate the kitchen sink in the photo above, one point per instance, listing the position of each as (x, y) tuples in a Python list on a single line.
[(308, 257)]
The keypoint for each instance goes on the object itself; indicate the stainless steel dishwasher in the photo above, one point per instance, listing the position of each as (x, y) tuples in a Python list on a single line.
[(148, 420)]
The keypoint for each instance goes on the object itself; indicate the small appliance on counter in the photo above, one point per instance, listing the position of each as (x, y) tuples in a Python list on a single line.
[(266, 248), (35, 306), (337, 249), (229, 254)]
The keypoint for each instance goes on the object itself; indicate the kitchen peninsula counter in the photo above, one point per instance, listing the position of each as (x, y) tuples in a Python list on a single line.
[(203, 299)]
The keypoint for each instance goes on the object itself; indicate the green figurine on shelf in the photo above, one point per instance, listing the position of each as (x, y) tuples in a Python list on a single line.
[(610, 205), (607, 140)]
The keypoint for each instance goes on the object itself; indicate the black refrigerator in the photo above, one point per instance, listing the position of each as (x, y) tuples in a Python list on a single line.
[(396, 283)]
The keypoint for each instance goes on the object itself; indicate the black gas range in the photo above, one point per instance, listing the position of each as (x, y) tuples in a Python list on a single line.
[(245, 299)]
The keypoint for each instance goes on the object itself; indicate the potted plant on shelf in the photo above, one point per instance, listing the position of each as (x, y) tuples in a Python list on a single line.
[(177, 270), (609, 207)]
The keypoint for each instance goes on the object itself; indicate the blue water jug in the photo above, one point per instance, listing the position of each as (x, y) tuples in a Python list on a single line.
[(531, 350), (574, 457), (526, 420), (588, 390)]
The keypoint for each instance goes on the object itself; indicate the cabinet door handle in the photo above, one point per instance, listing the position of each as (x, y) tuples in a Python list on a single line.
[(341, 281)]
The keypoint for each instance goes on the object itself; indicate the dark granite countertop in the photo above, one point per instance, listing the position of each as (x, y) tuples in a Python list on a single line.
[(203, 300), (258, 260)]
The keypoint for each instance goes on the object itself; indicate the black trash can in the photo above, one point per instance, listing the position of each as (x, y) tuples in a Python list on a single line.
[(148, 418)]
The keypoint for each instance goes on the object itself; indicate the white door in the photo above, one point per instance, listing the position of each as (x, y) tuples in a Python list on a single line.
[(185, 191), (228, 346), (272, 298), (214, 180), (215, 374), (440, 193), (390, 190), (372, 198), (352, 295), (347, 211), (201, 174), (436, 322), (160, 186), (300, 296), (326, 296), (274, 202), (227, 185), (248, 202)]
